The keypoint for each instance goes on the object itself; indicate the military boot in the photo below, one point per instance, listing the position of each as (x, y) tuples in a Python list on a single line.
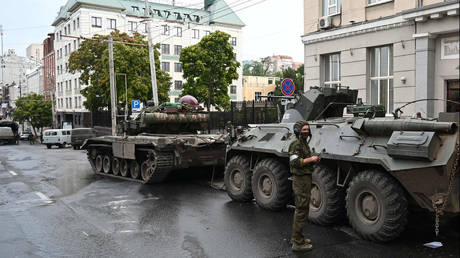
[(301, 248), (305, 241)]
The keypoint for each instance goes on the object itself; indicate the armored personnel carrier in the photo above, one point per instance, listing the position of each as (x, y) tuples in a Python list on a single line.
[(161, 139), (9, 132), (372, 167)]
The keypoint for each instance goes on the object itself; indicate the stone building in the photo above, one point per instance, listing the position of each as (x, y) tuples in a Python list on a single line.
[(392, 51)]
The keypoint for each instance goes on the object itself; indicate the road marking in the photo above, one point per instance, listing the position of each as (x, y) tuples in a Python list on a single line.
[(84, 233), (42, 196), (13, 173)]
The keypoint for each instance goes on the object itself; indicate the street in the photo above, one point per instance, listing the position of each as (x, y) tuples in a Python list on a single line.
[(52, 205)]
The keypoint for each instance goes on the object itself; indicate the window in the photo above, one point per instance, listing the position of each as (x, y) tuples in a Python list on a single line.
[(165, 49), (331, 70), (76, 84), (135, 8), (73, 22), (257, 96), (232, 89), (196, 34), (165, 30), (331, 7), (177, 67), (233, 41), (65, 30), (66, 103), (145, 28), (65, 48), (75, 102), (371, 2), (78, 22), (270, 81), (111, 24), (96, 22), (79, 101), (68, 28), (165, 66), (74, 44), (381, 77), (207, 32), (60, 35), (178, 85), (70, 85), (132, 26), (178, 31), (70, 102), (177, 49)]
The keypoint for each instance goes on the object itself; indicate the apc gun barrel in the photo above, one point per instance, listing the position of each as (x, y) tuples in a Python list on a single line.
[(386, 127)]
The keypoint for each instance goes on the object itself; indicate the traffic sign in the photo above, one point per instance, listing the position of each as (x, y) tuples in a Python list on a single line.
[(287, 87), (135, 104)]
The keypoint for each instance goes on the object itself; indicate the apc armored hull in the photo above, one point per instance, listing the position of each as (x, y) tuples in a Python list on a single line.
[(149, 158)]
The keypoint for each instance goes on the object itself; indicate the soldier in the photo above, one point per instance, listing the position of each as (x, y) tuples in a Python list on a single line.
[(301, 163)]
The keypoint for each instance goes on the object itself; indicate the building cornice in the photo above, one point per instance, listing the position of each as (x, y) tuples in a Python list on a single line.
[(380, 25)]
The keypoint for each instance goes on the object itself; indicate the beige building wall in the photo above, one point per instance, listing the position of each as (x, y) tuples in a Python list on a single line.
[(399, 24), (253, 84), (354, 11)]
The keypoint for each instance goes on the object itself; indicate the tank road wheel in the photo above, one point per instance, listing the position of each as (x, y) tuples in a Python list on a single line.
[(237, 179), (146, 170), (106, 164), (270, 184), (376, 206), (115, 166), (134, 168), (124, 168), (327, 199), (99, 163)]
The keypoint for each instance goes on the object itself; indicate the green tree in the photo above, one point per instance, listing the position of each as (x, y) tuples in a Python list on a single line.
[(258, 68), (92, 61), (209, 68), (34, 109)]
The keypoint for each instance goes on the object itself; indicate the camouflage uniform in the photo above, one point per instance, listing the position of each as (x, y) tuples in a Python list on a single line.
[(301, 184)]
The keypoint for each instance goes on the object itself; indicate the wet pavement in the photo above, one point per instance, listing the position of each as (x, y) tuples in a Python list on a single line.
[(51, 205)]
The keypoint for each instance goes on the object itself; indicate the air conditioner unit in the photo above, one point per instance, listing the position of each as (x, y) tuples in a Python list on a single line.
[(325, 22)]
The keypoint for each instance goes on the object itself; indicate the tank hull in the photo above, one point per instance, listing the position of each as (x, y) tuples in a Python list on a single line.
[(149, 158)]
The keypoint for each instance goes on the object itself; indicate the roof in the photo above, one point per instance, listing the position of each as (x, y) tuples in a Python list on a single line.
[(217, 12)]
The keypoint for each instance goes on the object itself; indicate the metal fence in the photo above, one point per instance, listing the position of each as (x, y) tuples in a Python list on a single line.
[(241, 113)]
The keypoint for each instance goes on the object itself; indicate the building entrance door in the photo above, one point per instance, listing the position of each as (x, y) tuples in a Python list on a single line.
[(453, 93)]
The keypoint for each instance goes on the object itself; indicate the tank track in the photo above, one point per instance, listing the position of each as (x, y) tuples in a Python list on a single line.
[(161, 163)]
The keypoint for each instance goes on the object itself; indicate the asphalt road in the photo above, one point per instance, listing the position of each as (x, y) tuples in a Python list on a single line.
[(51, 205)]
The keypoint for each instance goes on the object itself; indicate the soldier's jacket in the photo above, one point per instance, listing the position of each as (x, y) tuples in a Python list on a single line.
[(299, 150)]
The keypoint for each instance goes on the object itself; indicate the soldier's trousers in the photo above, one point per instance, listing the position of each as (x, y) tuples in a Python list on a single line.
[(302, 187)]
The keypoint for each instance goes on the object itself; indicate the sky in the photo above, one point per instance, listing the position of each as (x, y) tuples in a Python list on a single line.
[(273, 27)]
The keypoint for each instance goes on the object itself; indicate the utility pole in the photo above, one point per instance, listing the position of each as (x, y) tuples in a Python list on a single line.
[(51, 92), (113, 90), (2, 61), (153, 74)]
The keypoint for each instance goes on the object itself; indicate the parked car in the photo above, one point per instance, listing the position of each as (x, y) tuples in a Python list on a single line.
[(79, 135), (24, 136), (58, 137), (9, 132)]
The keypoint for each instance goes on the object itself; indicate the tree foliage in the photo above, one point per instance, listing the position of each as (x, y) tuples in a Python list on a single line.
[(209, 68), (92, 61), (258, 68), (34, 109)]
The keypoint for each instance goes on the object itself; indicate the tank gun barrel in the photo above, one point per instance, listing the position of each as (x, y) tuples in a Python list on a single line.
[(387, 127)]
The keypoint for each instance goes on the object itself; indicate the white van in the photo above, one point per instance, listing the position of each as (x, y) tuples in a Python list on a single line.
[(58, 137)]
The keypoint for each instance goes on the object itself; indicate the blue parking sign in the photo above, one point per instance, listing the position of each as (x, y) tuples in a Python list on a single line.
[(135, 104)]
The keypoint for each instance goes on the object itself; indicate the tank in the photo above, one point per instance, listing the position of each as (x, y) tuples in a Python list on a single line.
[(159, 140), (9, 132), (372, 168)]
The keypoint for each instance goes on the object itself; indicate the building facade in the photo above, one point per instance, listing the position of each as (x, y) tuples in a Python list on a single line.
[(174, 27), (392, 51), (256, 86), (34, 82), (35, 52)]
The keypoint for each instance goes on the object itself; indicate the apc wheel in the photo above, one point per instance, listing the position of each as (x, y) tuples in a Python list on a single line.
[(115, 166), (134, 168), (327, 199), (48, 146), (237, 179), (124, 168), (270, 184), (376, 206), (106, 164), (99, 163)]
